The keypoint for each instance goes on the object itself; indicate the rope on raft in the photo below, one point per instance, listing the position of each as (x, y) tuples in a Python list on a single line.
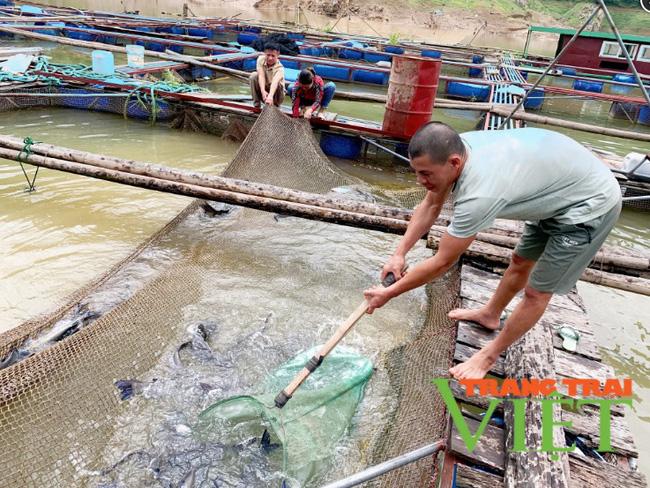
[(145, 94)]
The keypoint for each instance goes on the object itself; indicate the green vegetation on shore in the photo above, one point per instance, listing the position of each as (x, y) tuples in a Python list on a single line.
[(628, 14)]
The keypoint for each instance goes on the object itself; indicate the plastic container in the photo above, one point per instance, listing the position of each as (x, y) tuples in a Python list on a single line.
[(295, 36), (350, 54), (30, 9), (622, 90), (247, 38), (632, 160), (535, 99), (394, 49), (429, 53), (568, 71), (156, 46), (589, 86), (332, 72), (199, 32), (103, 62), (82, 36), (644, 115), (376, 57), (291, 75), (373, 77), (468, 91), (476, 72), (340, 146), (288, 64), (411, 94), (251, 64), (134, 56)]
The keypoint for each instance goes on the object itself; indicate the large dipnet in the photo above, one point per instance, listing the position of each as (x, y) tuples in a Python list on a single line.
[(193, 333), (307, 429)]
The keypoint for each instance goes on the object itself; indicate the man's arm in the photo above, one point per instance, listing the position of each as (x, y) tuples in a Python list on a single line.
[(423, 218), (261, 76), (274, 83), (450, 249)]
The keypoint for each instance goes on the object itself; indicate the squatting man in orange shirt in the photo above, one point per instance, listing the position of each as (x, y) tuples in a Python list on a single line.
[(568, 198)]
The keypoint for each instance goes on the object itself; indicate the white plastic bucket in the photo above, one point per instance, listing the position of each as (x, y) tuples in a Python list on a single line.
[(135, 56)]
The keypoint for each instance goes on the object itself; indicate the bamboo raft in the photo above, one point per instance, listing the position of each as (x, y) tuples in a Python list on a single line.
[(539, 354)]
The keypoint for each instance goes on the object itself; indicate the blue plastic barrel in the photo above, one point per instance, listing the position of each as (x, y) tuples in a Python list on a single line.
[(295, 36), (340, 146), (251, 64), (376, 57), (82, 36), (394, 49), (644, 115), (143, 29), (568, 71), (217, 31), (350, 54), (374, 77), (619, 89), (291, 75), (168, 29), (246, 38), (255, 30), (469, 91), (51, 32), (199, 32), (590, 86), (288, 64), (155, 46), (535, 99), (181, 31), (332, 72), (175, 48), (476, 72), (430, 53)]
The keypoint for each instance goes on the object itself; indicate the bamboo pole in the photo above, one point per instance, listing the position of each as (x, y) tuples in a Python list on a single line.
[(119, 49), (384, 224), (621, 264), (567, 124), (497, 256), (207, 181), (639, 266)]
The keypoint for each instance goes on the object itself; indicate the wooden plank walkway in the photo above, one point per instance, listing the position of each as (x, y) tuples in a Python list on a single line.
[(487, 465)]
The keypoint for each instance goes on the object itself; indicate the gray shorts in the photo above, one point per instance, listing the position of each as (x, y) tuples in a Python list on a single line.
[(563, 251)]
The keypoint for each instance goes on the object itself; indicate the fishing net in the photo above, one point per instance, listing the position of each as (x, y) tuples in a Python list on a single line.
[(309, 426), (107, 390)]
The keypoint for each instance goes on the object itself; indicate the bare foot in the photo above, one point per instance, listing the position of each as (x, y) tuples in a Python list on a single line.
[(475, 367), (479, 315)]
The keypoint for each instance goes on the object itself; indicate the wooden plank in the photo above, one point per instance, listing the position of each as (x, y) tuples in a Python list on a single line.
[(468, 477), (585, 424), (567, 364), (463, 352), (475, 335), (585, 472), (532, 356), (489, 448), (553, 314), (487, 283), (589, 473)]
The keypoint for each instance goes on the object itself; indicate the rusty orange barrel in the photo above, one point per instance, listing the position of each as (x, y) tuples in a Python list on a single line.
[(411, 93)]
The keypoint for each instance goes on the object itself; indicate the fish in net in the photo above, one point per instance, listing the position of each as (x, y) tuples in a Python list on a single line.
[(63, 421)]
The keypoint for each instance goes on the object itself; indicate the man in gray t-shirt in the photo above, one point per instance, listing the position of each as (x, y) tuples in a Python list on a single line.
[(568, 198)]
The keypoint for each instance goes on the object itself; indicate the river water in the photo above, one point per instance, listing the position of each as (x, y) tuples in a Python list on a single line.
[(72, 229)]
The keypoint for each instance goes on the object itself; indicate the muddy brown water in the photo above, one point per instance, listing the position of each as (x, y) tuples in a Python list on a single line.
[(72, 229)]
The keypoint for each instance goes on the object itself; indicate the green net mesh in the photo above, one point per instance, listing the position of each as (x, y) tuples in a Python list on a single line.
[(309, 426)]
